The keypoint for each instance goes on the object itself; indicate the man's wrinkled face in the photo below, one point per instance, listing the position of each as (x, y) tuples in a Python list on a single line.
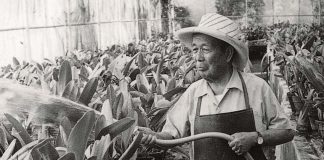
[(210, 56)]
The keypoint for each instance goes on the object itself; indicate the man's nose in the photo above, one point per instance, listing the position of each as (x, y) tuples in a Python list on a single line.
[(200, 56)]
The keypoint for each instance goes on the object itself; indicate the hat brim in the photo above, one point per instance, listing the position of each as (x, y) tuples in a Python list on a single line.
[(239, 60)]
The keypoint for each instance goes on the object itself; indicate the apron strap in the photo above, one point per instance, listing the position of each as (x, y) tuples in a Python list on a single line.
[(246, 95), (198, 106)]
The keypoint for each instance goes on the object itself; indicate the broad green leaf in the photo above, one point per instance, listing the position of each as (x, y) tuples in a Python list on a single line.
[(59, 142), (126, 69), (49, 61), (34, 152), (68, 89), (101, 146), (44, 150), (171, 84), (68, 156), (142, 81), (65, 76), (309, 43), (8, 135), (181, 60), (158, 73), (84, 71), (48, 152), (78, 138), (163, 87), (118, 105), (9, 150), (135, 94), (143, 89), (75, 73), (15, 61), (132, 147), (19, 128), (126, 106), (3, 138), (88, 151), (155, 77), (163, 103), (39, 67), (173, 92), (140, 60), (111, 94), (100, 124), (97, 71), (61, 151), (123, 85), (107, 111), (65, 129), (116, 128), (88, 91), (71, 91), (312, 74), (24, 149), (134, 73), (142, 119)]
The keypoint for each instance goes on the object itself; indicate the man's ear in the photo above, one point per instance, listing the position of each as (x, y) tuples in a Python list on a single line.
[(229, 53)]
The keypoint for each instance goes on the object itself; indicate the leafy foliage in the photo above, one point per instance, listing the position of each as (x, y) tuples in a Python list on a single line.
[(125, 92)]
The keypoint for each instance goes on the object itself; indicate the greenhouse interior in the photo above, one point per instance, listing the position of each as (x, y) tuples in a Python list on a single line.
[(162, 80)]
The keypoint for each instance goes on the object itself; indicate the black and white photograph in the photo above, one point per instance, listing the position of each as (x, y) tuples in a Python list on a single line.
[(162, 80)]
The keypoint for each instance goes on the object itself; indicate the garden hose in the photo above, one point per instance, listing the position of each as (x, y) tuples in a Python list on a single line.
[(175, 142)]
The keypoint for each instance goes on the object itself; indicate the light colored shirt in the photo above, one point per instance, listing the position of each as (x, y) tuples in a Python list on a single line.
[(267, 111)]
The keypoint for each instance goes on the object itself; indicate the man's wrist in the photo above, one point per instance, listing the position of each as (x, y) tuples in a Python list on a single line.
[(255, 138), (260, 139)]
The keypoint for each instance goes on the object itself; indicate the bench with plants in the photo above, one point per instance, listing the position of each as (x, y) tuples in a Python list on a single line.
[(299, 51)]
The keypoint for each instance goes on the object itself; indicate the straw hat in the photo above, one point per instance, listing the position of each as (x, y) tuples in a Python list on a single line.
[(222, 28)]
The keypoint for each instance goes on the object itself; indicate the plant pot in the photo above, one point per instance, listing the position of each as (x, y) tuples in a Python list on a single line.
[(320, 127)]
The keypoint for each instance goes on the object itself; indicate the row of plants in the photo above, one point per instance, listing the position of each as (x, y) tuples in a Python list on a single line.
[(299, 51), (122, 87)]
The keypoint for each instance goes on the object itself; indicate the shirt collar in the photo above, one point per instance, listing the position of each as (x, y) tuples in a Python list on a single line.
[(234, 82)]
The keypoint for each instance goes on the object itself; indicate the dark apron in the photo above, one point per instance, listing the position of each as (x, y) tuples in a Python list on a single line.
[(229, 123)]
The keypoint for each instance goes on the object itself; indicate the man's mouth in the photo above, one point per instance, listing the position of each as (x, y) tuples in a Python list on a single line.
[(201, 68)]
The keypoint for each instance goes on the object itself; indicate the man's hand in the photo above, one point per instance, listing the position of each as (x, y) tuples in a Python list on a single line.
[(149, 136), (243, 141)]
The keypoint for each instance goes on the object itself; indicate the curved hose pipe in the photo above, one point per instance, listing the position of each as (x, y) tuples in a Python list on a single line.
[(175, 142)]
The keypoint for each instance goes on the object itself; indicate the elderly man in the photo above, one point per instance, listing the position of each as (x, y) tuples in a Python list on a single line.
[(226, 100)]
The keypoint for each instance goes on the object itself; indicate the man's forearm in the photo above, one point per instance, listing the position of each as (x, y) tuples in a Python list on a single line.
[(277, 136)]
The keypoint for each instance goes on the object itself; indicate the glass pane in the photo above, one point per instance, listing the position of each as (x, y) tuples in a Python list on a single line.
[(56, 12), (12, 15), (12, 44), (286, 10)]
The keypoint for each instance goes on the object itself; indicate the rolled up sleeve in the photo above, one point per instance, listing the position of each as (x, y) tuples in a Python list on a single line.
[(177, 119), (274, 113)]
